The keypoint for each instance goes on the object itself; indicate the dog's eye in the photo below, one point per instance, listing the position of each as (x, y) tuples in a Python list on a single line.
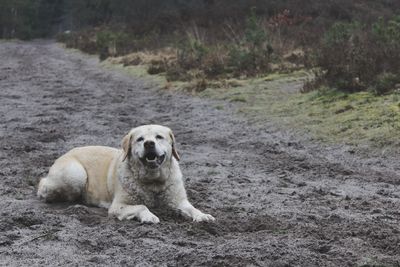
[(140, 139), (159, 137)]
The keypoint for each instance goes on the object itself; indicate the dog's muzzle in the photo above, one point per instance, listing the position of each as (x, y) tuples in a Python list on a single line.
[(150, 158)]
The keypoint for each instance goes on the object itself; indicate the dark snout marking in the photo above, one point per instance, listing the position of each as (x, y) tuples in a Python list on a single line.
[(149, 144)]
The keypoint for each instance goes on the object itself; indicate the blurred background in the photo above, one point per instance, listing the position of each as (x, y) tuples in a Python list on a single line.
[(345, 52)]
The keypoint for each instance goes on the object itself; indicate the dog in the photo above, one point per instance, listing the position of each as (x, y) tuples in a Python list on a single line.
[(143, 173)]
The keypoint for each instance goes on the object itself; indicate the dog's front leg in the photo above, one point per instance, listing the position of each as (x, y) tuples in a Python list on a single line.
[(186, 208), (129, 212), (177, 198)]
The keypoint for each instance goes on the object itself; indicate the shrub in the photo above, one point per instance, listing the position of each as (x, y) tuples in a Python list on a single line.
[(83, 40), (249, 55), (384, 83), (156, 67), (355, 56), (341, 56), (176, 73), (253, 53), (214, 62), (241, 60), (111, 43), (189, 54), (255, 35)]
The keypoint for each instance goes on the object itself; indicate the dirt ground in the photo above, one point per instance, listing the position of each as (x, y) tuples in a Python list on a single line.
[(279, 200)]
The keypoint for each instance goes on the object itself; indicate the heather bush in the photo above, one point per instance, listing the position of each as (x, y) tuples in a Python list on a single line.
[(252, 53), (83, 40), (191, 52), (248, 55), (355, 56), (385, 82), (112, 43)]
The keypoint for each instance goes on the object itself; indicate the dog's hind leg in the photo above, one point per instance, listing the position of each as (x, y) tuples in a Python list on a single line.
[(65, 182)]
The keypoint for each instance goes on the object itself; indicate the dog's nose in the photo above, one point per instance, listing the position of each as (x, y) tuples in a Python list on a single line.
[(149, 144)]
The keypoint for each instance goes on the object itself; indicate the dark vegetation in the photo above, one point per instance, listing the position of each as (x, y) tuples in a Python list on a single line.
[(356, 56), (351, 45), (27, 19)]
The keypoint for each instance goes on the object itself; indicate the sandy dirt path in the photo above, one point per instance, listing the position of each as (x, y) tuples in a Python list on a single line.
[(277, 201)]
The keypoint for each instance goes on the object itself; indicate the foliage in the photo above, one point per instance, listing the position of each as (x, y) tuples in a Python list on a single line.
[(249, 55), (83, 13), (82, 40), (385, 82), (355, 56), (227, 38), (112, 43), (142, 16), (26, 19), (252, 54), (255, 35), (387, 33)]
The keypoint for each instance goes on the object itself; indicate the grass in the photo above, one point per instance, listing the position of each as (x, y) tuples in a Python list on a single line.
[(327, 115), (354, 118), (139, 71)]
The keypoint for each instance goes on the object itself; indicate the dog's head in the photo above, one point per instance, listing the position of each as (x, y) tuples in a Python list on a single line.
[(152, 145)]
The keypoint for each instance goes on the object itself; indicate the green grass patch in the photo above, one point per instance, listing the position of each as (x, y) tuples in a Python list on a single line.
[(360, 118), (239, 98), (328, 115), (139, 71)]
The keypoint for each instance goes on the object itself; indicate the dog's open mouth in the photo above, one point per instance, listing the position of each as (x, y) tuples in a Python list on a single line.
[(152, 160)]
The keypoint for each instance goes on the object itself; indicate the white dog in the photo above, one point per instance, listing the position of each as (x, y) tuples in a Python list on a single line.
[(144, 172)]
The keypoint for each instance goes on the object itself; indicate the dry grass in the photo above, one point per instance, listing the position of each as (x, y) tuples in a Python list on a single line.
[(167, 54)]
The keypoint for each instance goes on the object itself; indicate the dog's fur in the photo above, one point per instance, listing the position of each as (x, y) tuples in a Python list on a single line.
[(124, 181)]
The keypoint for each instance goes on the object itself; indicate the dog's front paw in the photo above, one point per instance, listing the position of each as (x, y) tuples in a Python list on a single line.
[(202, 217), (149, 217)]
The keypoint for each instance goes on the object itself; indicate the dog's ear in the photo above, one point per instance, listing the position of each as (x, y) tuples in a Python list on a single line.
[(174, 152), (126, 145)]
